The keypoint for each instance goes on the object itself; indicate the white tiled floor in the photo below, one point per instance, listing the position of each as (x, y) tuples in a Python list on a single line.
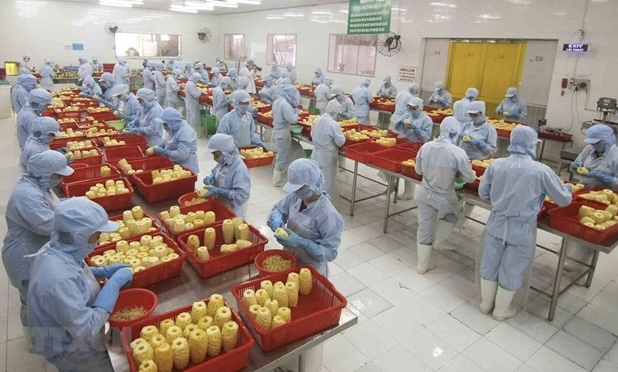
[(406, 321)]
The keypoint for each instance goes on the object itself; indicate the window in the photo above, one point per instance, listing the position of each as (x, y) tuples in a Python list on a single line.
[(280, 49), (234, 47), (352, 54), (147, 45)]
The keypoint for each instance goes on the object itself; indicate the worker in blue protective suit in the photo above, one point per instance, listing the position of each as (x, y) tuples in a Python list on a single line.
[(219, 101), (322, 94), (291, 72), (460, 108), (96, 65), (21, 90), (362, 98), (67, 308), (274, 71), (401, 103), (169, 66), (242, 85), (159, 81), (148, 124), (216, 77), (327, 138), (187, 70), (23, 71), (148, 76), (131, 110), (199, 68), (346, 104), (440, 98), (478, 138), (121, 72), (84, 70), (38, 100), (440, 162), (220, 64), (229, 180), (171, 90), (179, 141), (29, 219), (192, 101), (108, 99), (269, 92), (44, 130), (233, 75), (239, 122), (387, 90), (313, 224), (516, 187), (248, 71), (512, 107), (318, 77), (285, 113), (47, 75), (90, 88)]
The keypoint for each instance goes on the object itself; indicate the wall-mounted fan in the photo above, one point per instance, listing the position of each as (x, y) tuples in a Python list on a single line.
[(389, 44), (204, 35), (111, 28)]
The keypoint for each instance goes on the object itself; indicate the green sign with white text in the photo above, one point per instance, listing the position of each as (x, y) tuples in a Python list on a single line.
[(369, 17)]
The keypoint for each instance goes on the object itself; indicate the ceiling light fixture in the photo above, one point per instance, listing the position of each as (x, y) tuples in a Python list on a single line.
[(249, 2), (121, 3), (223, 4), (199, 5), (183, 9)]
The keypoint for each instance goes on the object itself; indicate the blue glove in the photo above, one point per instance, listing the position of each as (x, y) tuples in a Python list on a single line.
[(160, 150), (480, 143), (219, 191), (107, 271), (569, 187), (209, 180), (274, 222), (574, 166), (605, 178), (63, 150), (416, 129), (293, 240), (130, 131), (109, 293), (261, 144)]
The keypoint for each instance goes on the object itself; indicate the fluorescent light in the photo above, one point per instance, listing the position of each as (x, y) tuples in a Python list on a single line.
[(445, 5), (223, 4), (121, 3), (199, 5), (183, 9), (249, 2)]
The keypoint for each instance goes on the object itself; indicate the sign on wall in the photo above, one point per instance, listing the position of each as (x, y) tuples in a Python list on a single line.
[(369, 17), (407, 74)]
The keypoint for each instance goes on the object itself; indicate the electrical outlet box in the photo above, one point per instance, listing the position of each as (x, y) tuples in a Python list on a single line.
[(579, 84)]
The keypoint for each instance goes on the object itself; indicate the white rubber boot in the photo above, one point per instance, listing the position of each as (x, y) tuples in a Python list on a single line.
[(443, 231), (488, 295), (503, 310), (408, 193), (28, 340), (278, 178), (424, 263)]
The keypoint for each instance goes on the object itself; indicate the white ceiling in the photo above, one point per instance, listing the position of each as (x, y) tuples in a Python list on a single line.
[(242, 8)]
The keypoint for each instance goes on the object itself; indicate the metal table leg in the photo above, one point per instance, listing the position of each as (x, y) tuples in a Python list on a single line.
[(389, 188), (354, 178), (556, 289), (593, 266)]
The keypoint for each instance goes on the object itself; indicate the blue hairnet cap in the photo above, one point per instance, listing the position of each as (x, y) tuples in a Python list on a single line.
[(195, 77), (414, 88), (243, 82), (333, 107), (415, 102), (598, 132), (318, 70), (449, 125), (24, 79), (107, 78), (23, 71), (46, 125), (439, 85), (215, 70), (512, 91), (221, 142), (472, 93), (170, 116), (387, 79), (119, 89), (476, 107), (240, 96), (268, 78), (328, 80), (88, 80), (365, 82), (80, 215), (82, 59), (149, 64), (226, 81), (303, 172), (250, 62), (47, 163), (199, 65), (40, 96), (146, 94), (523, 140), (159, 65)]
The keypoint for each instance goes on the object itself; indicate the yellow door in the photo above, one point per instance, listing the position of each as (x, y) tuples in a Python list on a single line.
[(465, 67), (503, 67)]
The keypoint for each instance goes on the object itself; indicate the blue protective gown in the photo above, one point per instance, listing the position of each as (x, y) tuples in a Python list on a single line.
[(516, 187), (25, 120), (182, 147), (293, 75), (29, 219), (460, 111), (319, 222), (19, 98), (159, 81), (219, 102), (64, 325), (33, 146), (441, 99), (401, 106), (283, 116), (241, 128), (516, 109), (234, 175), (192, 104), (249, 74), (347, 108), (149, 126), (121, 74), (216, 79), (171, 93), (608, 163), (439, 161), (322, 93), (85, 70), (423, 123), (149, 81), (269, 94), (91, 92), (388, 92), (131, 110), (485, 132), (47, 77), (327, 138), (362, 99), (317, 79)]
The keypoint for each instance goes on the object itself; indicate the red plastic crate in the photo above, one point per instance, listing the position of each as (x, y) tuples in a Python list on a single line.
[(147, 164), (115, 153), (68, 114), (268, 120), (391, 159), (560, 137), (88, 173), (479, 170), (363, 152), (153, 274), (410, 146), (316, 312), (91, 160), (218, 262), (163, 191), (183, 200), (362, 127), (110, 203), (565, 219), (259, 162), (129, 139), (106, 115), (222, 212), (549, 205), (62, 142), (119, 218), (234, 360)]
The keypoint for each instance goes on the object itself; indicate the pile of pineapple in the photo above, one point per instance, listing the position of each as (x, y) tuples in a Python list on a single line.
[(255, 153)]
